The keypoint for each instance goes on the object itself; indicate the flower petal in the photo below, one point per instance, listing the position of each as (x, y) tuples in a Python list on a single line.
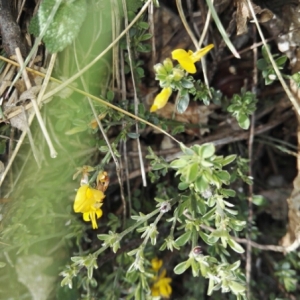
[(86, 198), (93, 219), (156, 264), (99, 213), (180, 54), (161, 99), (185, 60), (86, 216), (80, 204), (165, 290), (188, 65), (196, 56)]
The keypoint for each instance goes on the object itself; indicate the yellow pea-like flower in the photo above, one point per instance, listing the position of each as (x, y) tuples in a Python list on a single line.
[(88, 202), (161, 99), (187, 59)]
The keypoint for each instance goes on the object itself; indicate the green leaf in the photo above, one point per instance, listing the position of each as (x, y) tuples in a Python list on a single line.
[(156, 167), (209, 240), (76, 130), (235, 246), (2, 264), (243, 121), (259, 200), (210, 215), (228, 192), (201, 206), (133, 135), (110, 96), (223, 176), (192, 172), (236, 287), (65, 25), (182, 267), (187, 84), (145, 37), (280, 61), (219, 233), (183, 103), (201, 184), (235, 265), (208, 150), (262, 64), (228, 159), (143, 25), (183, 186), (183, 239), (178, 163)]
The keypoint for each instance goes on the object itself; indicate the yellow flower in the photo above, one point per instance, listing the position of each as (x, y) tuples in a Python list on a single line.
[(161, 286), (188, 59), (156, 264), (88, 202), (161, 99)]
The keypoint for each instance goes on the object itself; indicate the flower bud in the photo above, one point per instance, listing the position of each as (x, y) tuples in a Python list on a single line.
[(160, 69), (165, 207), (177, 74), (197, 250), (168, 64)]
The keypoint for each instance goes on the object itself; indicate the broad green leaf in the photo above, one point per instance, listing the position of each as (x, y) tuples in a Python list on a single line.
[(201, 206), (133, 135), (235, 246), (280, 61), (228, 192), (183, 186), (192, 172), (143, 25), (235, 265), (187, 84), (262, 64), (236, 287), (183, 239), (65, 25), (201, 184), (158, 166), (145, 37), (209, 240), (210, 215), (223, 176), (178, 163), (243, 121), (228, 159), (208, 150), (259, 200), (183, 103), (219, 233), (182, 267)]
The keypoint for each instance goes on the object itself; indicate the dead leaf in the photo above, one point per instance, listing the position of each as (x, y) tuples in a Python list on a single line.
[(242, 15), (29, 94), (194, 114)]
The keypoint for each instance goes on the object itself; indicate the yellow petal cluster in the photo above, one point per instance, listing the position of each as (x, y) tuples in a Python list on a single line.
[(161, 286), (187, 59), (161, 99), (88, 202)]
